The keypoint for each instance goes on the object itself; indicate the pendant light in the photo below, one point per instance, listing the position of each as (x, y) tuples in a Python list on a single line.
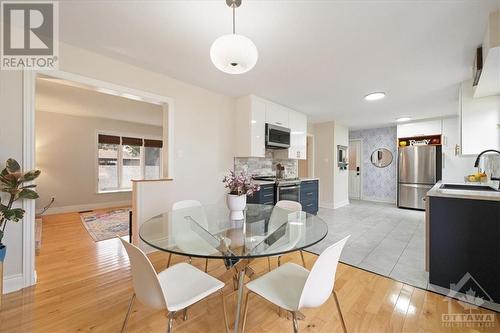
[(233, 53)]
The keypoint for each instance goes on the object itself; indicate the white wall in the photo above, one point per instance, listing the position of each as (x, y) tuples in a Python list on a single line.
[(340, 177), (66, 152), (324, 161), (333, 183), (203, 124)]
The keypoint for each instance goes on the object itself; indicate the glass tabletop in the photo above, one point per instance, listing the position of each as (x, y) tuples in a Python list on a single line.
[(208, 232)]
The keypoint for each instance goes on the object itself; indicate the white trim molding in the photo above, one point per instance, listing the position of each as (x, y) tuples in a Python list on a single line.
[(85, 207), (340, 204), (28, 276), (29, 163), (13, 283)]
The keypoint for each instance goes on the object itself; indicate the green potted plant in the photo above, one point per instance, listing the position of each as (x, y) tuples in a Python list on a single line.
[(12, 181)]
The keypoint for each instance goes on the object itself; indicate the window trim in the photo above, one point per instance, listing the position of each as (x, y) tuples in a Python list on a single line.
[(120, 159)]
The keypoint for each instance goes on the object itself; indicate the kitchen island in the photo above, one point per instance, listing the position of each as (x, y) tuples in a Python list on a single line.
[(463, 236)]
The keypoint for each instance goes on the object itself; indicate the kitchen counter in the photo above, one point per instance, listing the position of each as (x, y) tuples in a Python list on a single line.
[(436, 191), (308, 178), (263, 182)]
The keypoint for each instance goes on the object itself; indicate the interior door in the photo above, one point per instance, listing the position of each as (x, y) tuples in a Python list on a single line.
[(355, 169)]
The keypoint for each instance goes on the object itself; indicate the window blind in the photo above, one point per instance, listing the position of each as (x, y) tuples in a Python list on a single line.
[(131, 141), (109, 139), (153, 143)]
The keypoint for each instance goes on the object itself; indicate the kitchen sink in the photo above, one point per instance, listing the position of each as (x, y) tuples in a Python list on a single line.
[(467, 187)]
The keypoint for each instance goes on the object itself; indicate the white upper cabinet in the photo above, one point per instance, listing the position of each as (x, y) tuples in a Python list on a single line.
[(250, 127), (277, 115), (479, 120), (298, 135), (420, 128), (258, 128), (252, 114)]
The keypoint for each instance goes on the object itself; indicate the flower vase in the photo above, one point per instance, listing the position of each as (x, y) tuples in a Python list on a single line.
[(3, 251), (236, 205)]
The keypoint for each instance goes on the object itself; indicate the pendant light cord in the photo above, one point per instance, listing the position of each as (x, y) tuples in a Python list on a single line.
[(234, 22)]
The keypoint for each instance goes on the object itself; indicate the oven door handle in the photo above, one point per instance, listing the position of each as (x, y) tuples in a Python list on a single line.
[(287, 188)]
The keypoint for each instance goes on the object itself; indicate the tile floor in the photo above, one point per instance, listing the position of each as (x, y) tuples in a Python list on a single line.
[(384, 239)]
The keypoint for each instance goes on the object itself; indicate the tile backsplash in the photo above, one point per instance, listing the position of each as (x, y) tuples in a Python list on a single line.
[(491, 164), (266, 166)]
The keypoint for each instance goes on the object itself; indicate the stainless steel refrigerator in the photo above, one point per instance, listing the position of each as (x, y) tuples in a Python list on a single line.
[(419, 168)]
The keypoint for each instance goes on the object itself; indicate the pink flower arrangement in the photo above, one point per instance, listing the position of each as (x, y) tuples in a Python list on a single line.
[(240, 184)]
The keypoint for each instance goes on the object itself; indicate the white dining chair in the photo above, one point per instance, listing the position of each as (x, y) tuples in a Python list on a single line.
[(173, 289), (292, 206), (201, 219), (292, 287)]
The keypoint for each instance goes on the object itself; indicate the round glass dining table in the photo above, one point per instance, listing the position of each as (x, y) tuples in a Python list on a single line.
[(208, 232)]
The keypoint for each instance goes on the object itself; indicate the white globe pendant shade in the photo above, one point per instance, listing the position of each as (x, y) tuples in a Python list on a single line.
[(234, 54)]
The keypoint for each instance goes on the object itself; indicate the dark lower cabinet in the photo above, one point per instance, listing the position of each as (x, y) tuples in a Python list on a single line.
[(309, 196), (464, 245), (264, 197)]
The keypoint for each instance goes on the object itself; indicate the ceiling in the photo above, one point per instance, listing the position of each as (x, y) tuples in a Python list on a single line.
[(318, 57), (60, 96)]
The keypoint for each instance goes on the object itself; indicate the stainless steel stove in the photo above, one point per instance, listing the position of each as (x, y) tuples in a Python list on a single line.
[(286, 189)]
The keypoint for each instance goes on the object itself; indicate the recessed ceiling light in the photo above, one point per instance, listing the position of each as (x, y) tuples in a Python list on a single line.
[(402, 119), (375, 96)]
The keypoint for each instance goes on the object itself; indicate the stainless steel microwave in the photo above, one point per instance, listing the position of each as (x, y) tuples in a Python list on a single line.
[(277, 137)]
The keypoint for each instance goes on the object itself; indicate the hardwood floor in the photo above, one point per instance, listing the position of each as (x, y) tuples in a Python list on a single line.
[(85, 286)]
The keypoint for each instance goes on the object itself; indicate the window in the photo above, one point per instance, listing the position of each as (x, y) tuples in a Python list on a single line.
[(121, 159)]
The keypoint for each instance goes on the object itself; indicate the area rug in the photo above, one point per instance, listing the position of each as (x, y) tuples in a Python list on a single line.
[(102, 225)]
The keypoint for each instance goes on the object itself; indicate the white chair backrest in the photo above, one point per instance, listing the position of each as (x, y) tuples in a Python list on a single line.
[(148, 200), (144, 278), (185, 204), (293, 206), (321, 279)]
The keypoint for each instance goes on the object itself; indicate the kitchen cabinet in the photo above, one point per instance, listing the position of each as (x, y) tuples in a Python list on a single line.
[(277, 114), (298, 135), (252, 114), (419, 128), (479, 120), (455, 166), (463, 239), (309, 195), (250, 127), (265, 196)]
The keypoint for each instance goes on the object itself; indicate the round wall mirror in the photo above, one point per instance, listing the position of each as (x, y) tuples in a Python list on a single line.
[(381, 158)]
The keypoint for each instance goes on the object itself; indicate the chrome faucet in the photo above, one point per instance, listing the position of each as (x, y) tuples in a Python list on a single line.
[(476, 164)]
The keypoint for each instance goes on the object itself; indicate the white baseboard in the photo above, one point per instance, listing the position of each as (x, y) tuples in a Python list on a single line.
[(13, 283), (328, 205), (340, 204), (79, 208), (382, 200)]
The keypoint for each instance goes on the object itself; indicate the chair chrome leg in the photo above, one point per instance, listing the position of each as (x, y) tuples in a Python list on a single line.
[(269, 264), (170, 326), (169, 259), (303, 261), (226, 324), (128, 313), (185, 314), (245, 311), (206, 265), (340, 311), (295, 322)]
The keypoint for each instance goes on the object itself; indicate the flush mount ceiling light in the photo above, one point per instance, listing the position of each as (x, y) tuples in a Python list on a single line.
[(403, 119), (232, 53), (375, 96)]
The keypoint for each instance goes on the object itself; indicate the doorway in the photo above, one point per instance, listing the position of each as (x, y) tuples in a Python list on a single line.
[(355, 181)]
